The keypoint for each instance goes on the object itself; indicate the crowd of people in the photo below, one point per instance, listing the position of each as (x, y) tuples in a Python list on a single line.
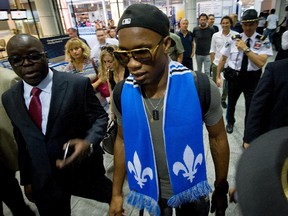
[(142, 76)]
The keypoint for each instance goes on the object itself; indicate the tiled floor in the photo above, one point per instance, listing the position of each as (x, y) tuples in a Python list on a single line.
[(85, 207)]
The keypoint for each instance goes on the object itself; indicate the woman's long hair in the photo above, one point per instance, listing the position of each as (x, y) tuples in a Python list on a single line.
[(108, 50), (76, 43)]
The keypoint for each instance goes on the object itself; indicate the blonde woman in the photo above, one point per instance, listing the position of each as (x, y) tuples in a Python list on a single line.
[(110, 67), (77, 54)]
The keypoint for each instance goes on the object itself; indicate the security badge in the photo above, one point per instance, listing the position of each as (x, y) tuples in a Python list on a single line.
[(262, 40)]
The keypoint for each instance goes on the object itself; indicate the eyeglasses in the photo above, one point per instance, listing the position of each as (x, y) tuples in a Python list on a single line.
[(109, 49), (17, 60), (142, 55)]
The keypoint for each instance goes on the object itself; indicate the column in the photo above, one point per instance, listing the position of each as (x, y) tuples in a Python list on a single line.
[(47, 18), (117, 9), (190, 13), (258, 5)]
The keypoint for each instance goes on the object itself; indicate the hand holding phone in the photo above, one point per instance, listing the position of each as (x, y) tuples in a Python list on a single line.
[(66, 150)]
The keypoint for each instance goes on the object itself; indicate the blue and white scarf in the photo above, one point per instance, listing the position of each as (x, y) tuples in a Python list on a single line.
[(183, 141)]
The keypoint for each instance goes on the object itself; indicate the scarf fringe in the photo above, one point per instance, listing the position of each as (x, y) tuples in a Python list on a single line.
[(190, 195), (141, 201)]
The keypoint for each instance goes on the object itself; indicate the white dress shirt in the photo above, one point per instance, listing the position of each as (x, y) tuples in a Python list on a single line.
[(45, 97), (284, 41), (235, 56), (217, 43), (96, 50)]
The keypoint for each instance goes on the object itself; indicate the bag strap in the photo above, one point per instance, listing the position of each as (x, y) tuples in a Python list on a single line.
[(202, 85), (203, 89), (117, 95), (94, 66)]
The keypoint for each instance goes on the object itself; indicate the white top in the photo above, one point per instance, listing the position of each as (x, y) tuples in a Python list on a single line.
[(284, 42), (261, 22), (45, 97), (217, 43), (272, 20), (235, 56), (96, 50)]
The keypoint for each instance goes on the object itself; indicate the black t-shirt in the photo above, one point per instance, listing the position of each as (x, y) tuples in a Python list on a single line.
[(203, 40)]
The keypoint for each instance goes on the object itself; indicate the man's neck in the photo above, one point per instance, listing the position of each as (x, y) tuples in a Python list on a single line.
[(249, 36), (157, 89), (183, 31), (103, 42), (226, 32), (203, 27)]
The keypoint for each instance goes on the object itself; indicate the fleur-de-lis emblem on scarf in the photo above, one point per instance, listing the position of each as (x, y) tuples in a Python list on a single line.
[(136, 168), (190, 165)]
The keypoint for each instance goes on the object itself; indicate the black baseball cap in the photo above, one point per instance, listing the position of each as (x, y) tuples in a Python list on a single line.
[(146, 16)]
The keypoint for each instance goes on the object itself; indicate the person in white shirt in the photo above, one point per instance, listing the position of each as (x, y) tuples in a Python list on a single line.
[(218, 41), (284, 42), (101, 42), (272, 23), (283, 52)]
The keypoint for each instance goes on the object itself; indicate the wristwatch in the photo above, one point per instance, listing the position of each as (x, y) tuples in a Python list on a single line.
[(247, 50)]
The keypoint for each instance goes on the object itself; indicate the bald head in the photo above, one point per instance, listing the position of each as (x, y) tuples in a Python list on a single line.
[(27, 58), (21, 39)]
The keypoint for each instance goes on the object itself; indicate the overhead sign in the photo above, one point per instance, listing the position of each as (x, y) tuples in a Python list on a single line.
[(55, 46)]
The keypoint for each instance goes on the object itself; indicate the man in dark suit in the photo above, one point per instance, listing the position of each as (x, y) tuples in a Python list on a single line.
[(269, 108), (64, 113)]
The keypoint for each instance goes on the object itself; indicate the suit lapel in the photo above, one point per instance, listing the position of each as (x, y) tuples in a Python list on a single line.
[(59, 88), (21, 113)]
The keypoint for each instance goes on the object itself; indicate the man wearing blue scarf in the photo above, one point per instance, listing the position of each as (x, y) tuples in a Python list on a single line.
[(159, 144)]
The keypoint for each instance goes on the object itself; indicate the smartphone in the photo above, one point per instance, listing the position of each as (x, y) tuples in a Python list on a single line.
[(66, 150)]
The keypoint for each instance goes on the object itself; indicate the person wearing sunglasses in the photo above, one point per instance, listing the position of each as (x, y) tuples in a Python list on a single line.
[(159, 143), (77, 54), (49, 109)]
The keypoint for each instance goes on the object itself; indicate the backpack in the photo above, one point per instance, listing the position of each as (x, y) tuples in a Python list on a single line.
[(202, 84)]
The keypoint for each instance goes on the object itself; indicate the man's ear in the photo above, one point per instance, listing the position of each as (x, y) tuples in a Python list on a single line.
[(167, 43)]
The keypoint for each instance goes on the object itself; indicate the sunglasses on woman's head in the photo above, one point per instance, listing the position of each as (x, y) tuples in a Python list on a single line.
[(109, 49)]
